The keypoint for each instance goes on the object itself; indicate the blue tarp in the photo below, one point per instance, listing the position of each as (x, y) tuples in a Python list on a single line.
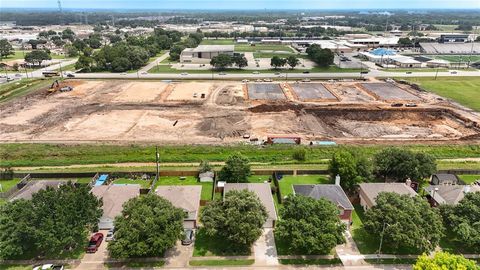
[(383, 51), (101, 180)]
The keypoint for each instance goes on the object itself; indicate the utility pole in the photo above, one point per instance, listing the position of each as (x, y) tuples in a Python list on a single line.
[(381, 238), (157, 175)]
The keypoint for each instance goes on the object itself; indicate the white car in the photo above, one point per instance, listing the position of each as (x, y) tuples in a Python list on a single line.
[(256, 72), (184, 74), (144, 73), (110, 236), (49, 267)]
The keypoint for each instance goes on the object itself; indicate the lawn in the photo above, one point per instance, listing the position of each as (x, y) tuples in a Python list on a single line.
[(206, 245), (189, 180), (221, 262), (464, 90), (468, 179), (459, 58), (40, 154), (287, 182), (127, 181), (335, 261), (15, 267), (8, 184), (17, 55), (21, 88), (391, 261), (221, 41), (262, 47)]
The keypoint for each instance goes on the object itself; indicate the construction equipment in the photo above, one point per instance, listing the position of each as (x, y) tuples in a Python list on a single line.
[(57, 87)]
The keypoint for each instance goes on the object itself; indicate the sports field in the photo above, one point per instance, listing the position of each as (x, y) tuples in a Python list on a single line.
[(464, 90), (459, 58)]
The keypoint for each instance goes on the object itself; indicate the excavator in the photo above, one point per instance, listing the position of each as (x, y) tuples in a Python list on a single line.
[(56, 86)]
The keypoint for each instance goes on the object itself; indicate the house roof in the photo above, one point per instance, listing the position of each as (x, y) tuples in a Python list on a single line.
[(371, 190), (185, 197), (450, 194), (35, 186), (333, 193), (114, 196), (262, 190), (446, 177)]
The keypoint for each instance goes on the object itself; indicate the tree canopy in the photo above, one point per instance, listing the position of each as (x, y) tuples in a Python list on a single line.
[(236, 169), (463, 220), (322, 57), (37, 56), (400, 164), (221, 61), (309, 226), (277, 62), (293, 61), (405, 222), (148, 226), (6, 48), (53, 222), (239, 218), (444, 261), (352, 169)]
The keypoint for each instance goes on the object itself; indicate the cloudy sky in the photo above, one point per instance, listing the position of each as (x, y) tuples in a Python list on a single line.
[(246, 4)]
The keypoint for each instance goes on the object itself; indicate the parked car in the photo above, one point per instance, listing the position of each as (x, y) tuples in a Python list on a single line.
[(267, 80), (18, 75), (49, 267), (70, 75), (396, 104), (408, 72), (110, 236), (306, 72), (189, 235), (256, 72), (184, 74), (411, 105), (95, 242), (453, 72), (144, 73)]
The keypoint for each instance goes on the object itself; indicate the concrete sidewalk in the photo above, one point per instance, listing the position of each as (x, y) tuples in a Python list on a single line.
[(264, 249)]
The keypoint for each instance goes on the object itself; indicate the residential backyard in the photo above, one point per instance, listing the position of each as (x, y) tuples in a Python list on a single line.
[(287, 182), (6, 185), (469, 178)]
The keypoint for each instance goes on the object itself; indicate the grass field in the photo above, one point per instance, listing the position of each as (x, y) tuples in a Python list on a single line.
[(8, 184), (232, 262), (459, 58), (468, 179), (262, 47), (464, 90), (206, 245), (287, 182), (189, 180), (335, 261), (21, 88), (17, 55), (220, 41), (39, 154)]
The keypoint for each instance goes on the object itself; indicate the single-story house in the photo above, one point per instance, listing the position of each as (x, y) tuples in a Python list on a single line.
[(368, 192), (34, 186), (204, 53), (186, 198), (449, 194), (264, 193), (333, 193), (113, 196), (444, 179)]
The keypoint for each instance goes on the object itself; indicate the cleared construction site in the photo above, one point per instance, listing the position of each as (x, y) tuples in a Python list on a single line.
[(222, 112)]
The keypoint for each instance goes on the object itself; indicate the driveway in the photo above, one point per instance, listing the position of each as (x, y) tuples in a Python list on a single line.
[(95, 260), (264, 249), (348, 252), (178, 256)]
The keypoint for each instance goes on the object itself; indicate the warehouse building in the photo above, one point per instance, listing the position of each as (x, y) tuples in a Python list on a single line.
[(204, 53)]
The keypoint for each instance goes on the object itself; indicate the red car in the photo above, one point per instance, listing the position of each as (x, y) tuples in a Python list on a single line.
[(95, 242)]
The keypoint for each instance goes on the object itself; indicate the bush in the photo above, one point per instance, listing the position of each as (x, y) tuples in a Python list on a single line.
[(300, 154)]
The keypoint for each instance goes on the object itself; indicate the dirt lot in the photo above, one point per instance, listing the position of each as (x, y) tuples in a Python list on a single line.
[(128, 111)]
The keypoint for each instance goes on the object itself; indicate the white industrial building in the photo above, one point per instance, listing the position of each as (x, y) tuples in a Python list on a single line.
[(204, 53)]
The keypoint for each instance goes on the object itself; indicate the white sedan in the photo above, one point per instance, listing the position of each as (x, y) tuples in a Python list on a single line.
[(49, 267)]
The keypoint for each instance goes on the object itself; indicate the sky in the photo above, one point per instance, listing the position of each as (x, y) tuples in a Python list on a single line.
[(244, 4)]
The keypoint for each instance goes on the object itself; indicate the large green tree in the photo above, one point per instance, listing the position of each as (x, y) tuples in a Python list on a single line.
[(221, 61), (322, 57), (52, 223), (352, 169), (37, 56), (293, 61), (240, 60), (239, 218), (404, 222), (463, 220), (148, 226), (400, 164), (6, 48), (236, 169), (444, 261), (277, 62), (309, 226)]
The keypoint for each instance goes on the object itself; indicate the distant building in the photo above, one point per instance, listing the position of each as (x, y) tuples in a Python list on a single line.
[(204, 53), (448, 38), (444, 179)]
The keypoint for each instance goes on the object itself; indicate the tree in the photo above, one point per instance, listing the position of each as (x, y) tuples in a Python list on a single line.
[(70, 51), (175, 52), (37, 56), (16, 66), (400, 164), (293, 61), (309, 226), (404, 222), (277, 62), (221, 61), (84, 63), (236, 170), (463, 220), (405, 41), (322, 57), (444, 261), (205, 166), (115, 38), (148, 226), (121, 64), (352, 169), (240, 60), (68, 34), (6, 48), (239, 218)]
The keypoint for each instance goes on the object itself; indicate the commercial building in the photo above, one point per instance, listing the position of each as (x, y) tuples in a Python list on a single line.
[(204, 53), (447, 38)]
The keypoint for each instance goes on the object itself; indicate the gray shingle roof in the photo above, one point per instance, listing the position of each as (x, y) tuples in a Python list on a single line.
[(450, 194), (185, 197), (333, 193), (262, 190), (372, 190)]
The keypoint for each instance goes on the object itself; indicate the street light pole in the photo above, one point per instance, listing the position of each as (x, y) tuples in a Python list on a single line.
[(381, 238)]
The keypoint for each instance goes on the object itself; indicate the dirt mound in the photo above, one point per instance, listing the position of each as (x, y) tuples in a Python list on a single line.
[(278, 107), (223, 126)]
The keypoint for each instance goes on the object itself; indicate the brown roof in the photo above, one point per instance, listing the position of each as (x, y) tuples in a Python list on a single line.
[(185, 197), (262, 190), (34, 186), (114, 196), (372, 190)]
